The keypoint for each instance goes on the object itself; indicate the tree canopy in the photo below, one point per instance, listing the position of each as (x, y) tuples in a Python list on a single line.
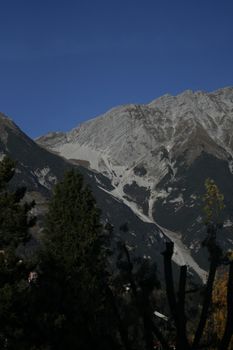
[(15, 221)]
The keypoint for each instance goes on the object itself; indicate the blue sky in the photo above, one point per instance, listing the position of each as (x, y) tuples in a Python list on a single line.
[(66, 61)]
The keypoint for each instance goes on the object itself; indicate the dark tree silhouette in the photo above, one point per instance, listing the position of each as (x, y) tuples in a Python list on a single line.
[(213, 206)]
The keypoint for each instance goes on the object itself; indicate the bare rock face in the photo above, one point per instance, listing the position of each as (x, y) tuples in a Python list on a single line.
[(39, 169), (151, 136), (157, 157)]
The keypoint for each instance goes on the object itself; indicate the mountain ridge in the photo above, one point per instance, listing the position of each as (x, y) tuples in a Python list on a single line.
[(149, 153), (39, 170)]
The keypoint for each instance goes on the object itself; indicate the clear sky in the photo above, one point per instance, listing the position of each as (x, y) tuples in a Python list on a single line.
[(66, 61)]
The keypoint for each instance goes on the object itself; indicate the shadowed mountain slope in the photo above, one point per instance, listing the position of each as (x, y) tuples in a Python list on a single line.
[(157, 157)]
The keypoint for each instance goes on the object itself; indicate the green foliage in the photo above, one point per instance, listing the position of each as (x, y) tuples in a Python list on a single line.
[(72, 284), (73, 229), (7, 169), (14, 231), (14, 218)]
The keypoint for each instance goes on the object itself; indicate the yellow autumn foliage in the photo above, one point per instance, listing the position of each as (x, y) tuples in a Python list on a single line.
[(213, 202), (217, 320)]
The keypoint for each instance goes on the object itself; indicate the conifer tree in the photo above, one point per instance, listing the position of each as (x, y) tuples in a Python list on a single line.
[(73, 270), (14, 219), (15, 222)]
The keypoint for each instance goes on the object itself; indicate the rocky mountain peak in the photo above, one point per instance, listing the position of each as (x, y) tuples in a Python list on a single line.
[(126, 134), (157, 156)]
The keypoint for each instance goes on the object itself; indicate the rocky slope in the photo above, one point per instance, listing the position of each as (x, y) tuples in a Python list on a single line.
[(39, 169), (157, 157)]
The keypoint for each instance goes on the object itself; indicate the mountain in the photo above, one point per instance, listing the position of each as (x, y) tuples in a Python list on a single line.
[(157, 157), (39, 169)]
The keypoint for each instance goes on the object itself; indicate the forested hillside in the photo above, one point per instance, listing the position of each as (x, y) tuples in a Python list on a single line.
[(67, 295)]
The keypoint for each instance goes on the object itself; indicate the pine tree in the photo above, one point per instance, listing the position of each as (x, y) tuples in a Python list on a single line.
[(15, 222), (14, 219), (72, 285)]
